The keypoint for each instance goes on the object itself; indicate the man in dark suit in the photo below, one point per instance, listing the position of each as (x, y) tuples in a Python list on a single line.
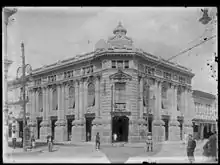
[(191, 148)]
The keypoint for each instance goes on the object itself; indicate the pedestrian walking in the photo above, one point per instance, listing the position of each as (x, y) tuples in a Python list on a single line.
[(13, 139), (191, 148), (97, 141), (149, 142), (50, 142)]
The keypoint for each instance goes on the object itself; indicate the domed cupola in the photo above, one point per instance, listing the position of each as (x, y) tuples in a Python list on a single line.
[(120, 29)]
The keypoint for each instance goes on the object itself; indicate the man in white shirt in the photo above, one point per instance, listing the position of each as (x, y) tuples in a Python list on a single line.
[(14, 139)]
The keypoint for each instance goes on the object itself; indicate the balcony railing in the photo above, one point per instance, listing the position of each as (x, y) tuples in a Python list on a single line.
[(120, 107)]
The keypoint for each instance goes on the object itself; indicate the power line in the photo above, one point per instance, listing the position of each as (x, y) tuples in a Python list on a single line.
[(186, 50)]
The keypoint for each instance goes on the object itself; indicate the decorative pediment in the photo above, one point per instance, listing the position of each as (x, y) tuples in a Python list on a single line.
[(120, 76)]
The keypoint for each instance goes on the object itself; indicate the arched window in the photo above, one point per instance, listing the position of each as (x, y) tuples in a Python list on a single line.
[(55, 104), (179, 98), (71, 97), (146, 95), (91, 94), (40, 96)]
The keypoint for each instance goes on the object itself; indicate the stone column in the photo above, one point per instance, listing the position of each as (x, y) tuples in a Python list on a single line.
[(78, 124), (45, 125), (60, 129), (174, 130), (141, 121), (158, 129)]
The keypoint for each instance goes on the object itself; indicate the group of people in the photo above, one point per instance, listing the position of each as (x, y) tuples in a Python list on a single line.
[(209, 149)]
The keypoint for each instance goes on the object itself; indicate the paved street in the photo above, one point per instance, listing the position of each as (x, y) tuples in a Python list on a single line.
[(165, 153)]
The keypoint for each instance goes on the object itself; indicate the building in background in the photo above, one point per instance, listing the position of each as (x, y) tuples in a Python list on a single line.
[(73, 98), (206, 108)]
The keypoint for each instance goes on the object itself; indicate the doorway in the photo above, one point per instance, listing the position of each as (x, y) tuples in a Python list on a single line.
[(38, 128), (181, 131), (20, 128), (150, 125), (166, 121), (69, 118), (89, 128), (120, 128), (53, 121)]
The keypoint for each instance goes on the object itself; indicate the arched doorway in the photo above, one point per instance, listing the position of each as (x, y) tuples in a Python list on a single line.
[(120, 127)]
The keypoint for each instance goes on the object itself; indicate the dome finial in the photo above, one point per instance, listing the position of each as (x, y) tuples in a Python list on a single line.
[(119, 23), (119, 28)]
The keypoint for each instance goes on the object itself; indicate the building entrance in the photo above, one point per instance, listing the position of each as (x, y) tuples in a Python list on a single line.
[(166, 121), (38, 128), (120, 126), (53, 121), (69, 126), (89, 128)]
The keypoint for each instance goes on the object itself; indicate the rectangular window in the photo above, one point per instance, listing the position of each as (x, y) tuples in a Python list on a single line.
[(120, 64), (120, 93), (113, 64), (126, 64)]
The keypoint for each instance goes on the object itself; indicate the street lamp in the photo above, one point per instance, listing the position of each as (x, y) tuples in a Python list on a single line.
[(7, 14), (24, 68)]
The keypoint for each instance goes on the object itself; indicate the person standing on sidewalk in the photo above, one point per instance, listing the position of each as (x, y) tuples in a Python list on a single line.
[(50, 142), (97, 141), (14, 139), (191, 148), (149, 142)]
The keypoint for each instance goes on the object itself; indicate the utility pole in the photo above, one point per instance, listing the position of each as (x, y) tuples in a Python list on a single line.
[(24, 97)]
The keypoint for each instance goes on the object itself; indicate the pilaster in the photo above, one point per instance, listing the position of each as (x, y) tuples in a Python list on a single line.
[(78, 125), (158, 130), (174, 129), (60, 129), (45, 125)]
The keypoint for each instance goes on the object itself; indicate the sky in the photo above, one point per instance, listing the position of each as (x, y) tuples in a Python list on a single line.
[(52, 34)]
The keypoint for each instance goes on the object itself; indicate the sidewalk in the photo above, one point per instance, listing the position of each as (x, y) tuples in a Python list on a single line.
[(10, 150)]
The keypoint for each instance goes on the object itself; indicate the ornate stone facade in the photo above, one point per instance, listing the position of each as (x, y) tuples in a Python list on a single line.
[(117, 64)]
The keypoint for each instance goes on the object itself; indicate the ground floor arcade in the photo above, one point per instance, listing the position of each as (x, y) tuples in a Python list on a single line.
[(126, 128)]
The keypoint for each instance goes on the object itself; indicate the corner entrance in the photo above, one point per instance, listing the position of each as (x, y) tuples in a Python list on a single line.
[(120, 128), (89, 120)]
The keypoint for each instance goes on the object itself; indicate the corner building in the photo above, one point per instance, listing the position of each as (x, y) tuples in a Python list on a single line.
[(111, 90)]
